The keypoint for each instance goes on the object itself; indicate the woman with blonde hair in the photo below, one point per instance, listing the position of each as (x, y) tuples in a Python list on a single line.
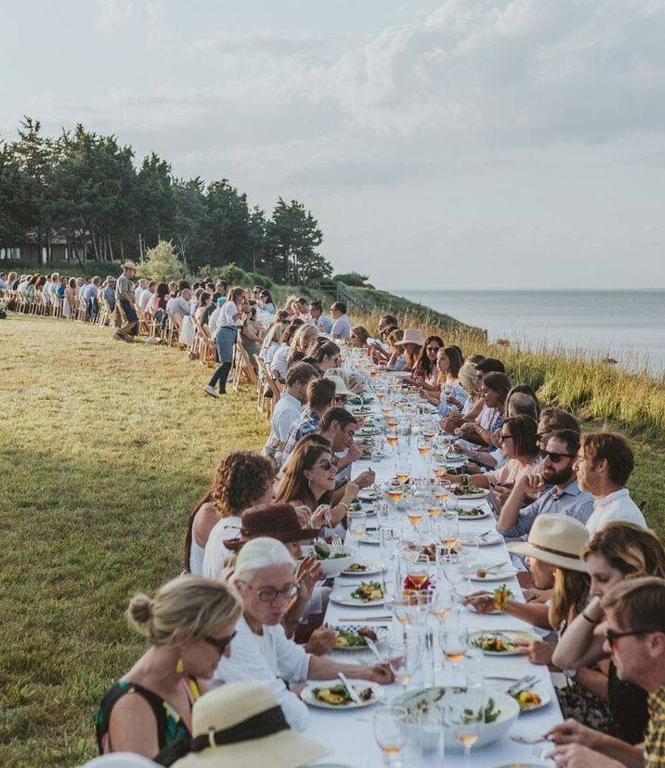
[(189, 625), (302, 340), (617, 552)]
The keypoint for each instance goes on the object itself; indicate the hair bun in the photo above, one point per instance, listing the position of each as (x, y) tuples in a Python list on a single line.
[(139, 613)]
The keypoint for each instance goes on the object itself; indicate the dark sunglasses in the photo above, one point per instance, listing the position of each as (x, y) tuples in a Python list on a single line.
[(503, 438), (220, 643), (611, 636), (269, 594), (433, 349), (325, 464), (555, 458)]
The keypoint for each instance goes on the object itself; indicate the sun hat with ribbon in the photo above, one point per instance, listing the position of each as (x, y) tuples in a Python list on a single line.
[(340, 384), (411, 336), (241, 725), (129, 265), (276, 521), (557, 540)]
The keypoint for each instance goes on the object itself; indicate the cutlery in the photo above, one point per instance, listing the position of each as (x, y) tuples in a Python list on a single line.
[(527, 739), (372, 646), (361, 619), (523, 684), (352, 691)]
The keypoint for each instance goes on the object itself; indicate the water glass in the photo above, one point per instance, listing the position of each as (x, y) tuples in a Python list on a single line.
[(390, 734), (356, 523)]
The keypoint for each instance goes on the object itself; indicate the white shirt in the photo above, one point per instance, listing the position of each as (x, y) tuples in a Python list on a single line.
[(90, 291), (22, 286), (216, 553), (177, 306), (229, 309), (286, 411), (144, 300), (138, 293), (341, 328), (213, 322), (280, 359), (269, 658), (615, 506)]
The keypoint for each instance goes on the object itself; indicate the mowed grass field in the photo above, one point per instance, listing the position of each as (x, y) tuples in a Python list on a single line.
[(104, 446)]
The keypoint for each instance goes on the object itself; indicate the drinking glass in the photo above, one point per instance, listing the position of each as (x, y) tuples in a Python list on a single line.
[(454, 569), (442, 602), (418, 571), (454, 642), (404, 656), (382, 511), (390, 734), (415, 514), (467, 718), (395, 494), (469, 549), (386, 546), (356, 523), (402, 470)]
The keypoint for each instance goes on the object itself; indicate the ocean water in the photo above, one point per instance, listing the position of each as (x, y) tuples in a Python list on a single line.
[(628, 326)]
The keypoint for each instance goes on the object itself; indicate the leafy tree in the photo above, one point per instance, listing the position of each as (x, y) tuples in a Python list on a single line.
[(191, 230), (156, 205), (14, 200), (162, 263), (228, 221), (354, 279)]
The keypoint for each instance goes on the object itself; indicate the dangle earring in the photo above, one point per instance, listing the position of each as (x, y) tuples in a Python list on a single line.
[(180, 667)]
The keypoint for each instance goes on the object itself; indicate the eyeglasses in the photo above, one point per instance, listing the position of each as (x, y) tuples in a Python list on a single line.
[(433, 349), (503, 438), (221, 643), (325, 464), (340, 398), (555, 458), (270, 594), (611, 636)]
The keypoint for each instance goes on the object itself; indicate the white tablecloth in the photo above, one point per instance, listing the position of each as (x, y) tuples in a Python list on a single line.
[(349, 734)]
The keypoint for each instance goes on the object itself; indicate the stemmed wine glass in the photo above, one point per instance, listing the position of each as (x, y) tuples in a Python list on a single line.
[(467, 717), (390, 734), (454, 642), (356, 523)]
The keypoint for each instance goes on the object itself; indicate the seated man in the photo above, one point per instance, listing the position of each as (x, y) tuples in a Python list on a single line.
[(320, 395), (563, 495), (320, 321), (635, 638), (341, 328), (179, 306), (604, 464), (339, 427), (264, 577)]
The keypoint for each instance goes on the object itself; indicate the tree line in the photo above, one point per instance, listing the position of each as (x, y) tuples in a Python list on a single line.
[(86, 190)]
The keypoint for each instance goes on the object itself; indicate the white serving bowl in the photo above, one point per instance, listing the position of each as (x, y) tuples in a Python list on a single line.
[(489, 732), (332, 566)]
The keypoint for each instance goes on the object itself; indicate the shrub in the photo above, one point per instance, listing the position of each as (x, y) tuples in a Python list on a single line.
[(263, 280), (162, 263), (353, 279), (233, 274)]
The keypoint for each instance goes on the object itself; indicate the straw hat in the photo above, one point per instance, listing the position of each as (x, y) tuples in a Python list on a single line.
[(241, 725), (277, 521), (120, 760), (340, 385), (557, 540), (129, 265), (411, 336)]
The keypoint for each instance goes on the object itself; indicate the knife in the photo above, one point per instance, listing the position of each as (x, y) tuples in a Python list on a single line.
[(352, 691), (372, 646)]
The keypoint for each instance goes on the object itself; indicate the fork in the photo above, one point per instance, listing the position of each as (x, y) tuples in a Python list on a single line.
[(519, 739)]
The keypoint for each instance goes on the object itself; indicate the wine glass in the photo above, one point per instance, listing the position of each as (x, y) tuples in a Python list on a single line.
[(454, 570), (386, 546), (356, 521), (442, 602), (415, 513), (404, 657), (390, 734), (454, 642), (418, 571), (469, 548), (467, 718)]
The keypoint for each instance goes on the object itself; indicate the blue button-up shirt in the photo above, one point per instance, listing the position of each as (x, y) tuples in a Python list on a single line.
[(571, 501), (305, 424)]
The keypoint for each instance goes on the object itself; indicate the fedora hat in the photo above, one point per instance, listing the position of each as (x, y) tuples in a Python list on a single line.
[(276, 521), (557, 540), (129, 265), (411, 336), (241, 725), (340, 384)]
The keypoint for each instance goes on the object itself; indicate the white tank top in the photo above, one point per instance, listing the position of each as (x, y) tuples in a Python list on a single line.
[(196, 558)]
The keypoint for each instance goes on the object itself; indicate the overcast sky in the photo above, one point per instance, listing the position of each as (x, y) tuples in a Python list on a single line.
[(439, 144)]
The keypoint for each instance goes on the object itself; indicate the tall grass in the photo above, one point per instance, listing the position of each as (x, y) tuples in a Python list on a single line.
[(580, 381)]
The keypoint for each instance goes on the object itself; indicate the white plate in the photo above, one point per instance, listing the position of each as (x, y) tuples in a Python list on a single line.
[(538, 687), (482, 492), (508, 633), (476, 516), (309, 698), (490, 539), (500, 575), (382, 634), (367, 494), (372, 570), (343, 597), (370, 537)]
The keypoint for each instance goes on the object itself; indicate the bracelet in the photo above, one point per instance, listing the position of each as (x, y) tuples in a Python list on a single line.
[(590, 620)]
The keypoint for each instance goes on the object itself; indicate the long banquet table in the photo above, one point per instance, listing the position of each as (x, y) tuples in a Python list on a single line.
[(349, 734)]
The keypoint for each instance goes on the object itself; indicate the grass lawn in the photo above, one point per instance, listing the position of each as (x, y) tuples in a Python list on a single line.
[(103, 448)]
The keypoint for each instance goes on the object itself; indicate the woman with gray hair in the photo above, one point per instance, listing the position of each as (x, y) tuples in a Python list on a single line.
[(264, 577)]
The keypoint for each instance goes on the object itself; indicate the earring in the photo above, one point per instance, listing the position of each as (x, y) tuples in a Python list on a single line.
[(180, 667)]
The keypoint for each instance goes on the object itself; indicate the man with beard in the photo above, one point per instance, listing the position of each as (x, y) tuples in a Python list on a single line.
[(562, 494)]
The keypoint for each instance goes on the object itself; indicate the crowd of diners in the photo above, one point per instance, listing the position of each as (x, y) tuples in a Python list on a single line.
[(233, 639)]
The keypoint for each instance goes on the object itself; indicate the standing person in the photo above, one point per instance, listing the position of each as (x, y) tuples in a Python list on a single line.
[(232, 316), (69, 301), (189, 625), (341, 328), (124, 295), (604, 464)]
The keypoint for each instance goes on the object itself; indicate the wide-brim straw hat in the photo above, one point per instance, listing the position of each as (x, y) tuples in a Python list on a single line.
[(411, 336), (276, 521), (340, 385), (557, 540), (129, 265), (241, 725)]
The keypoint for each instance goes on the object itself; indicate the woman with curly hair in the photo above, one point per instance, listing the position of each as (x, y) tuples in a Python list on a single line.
[(241, 480)]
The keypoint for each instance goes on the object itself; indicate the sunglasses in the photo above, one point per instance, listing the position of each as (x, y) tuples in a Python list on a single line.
[(220, 643), (270, 594), (503, 438), (432, 349), (611, 636), (555, 458), (325, 464)]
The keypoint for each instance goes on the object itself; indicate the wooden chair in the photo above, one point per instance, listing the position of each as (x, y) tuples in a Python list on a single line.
[(271, 402), (242, 367)]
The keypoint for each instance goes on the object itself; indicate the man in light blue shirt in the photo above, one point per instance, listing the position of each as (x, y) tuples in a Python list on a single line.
[(341, 328), (318, 319), (560, 492)]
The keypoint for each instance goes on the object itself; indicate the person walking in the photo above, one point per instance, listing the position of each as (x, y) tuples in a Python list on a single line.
[(124, 295)]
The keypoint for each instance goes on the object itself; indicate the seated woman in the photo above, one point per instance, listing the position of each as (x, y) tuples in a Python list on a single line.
[(201, 314), (273, 335), (359, 336), (279, 362), (308, 480), (325, 354), (303, 339), (189, 625), (267, 304), (250, 336), (264, 577), (450, 395), (518, 441), (494, 389), (426, 373), (241, 480), (617, 552), (412, 343), (396, 360)]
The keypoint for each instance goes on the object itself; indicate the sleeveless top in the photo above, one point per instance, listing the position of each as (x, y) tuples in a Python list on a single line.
[(170, 725), (628, 705), (196, 553)]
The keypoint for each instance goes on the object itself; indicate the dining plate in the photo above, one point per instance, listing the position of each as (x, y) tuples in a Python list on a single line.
[(497, 575), (490, 539), (367, 494), (371, 569), (537, 688), (479, 494), (382, 633), (505, 636), (370, 537), (343, 597), (473, 513), (308, 694)]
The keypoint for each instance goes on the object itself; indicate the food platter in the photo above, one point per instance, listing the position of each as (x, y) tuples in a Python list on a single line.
[(349, 637), (314, 694), (500, 642)]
